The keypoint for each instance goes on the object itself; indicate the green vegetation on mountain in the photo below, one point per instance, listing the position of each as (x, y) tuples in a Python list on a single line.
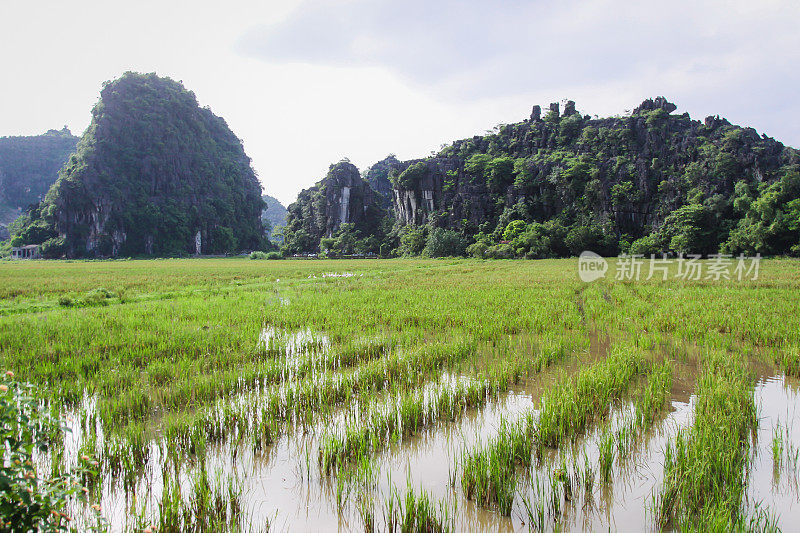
[(273, 217), (558, 184), (340, 215), (378, 177), (28, 167), (154, 174)]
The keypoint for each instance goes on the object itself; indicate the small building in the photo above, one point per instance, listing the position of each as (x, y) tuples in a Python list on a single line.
[(31, 251)]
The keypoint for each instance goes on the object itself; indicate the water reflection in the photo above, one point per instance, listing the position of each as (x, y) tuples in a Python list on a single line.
[(283, 486)]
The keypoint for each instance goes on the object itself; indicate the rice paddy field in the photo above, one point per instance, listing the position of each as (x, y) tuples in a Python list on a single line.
[(411, 395)]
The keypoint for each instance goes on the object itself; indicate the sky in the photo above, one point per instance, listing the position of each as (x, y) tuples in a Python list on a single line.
[(305, 83)]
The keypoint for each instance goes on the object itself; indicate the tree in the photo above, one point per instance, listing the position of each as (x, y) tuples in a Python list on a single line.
[(771, 224), (223, 240), (344, 242), (412, 240), (686, 231), (501, 173), (534, 242), (444, 243)]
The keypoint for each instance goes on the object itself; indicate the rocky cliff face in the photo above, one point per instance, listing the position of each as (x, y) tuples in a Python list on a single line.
[(154, 174), (378, 177), (342, 197), (545, 166), (602, 183), (348, 198)]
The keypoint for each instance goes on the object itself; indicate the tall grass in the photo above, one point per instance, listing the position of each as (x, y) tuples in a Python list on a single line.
[(407, 414), (416, 512), (163, 359), (705, 466), (489, 471)]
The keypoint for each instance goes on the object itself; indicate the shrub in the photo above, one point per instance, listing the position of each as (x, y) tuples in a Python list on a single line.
[(99, 296), (411, 177), (444, 243), (265, 255), (646, 246), (28, 500), (477, 250), (534, 242), (591, 237), (412, 240), (513, 230), (500, 251), (55, 247)]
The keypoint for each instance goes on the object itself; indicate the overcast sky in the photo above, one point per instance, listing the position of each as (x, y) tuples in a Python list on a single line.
[(305, 83)]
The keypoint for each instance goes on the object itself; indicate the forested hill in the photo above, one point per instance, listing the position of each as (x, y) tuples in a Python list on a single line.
[(342, 204), (273, 217), (28, 167), (154, 174), (562, 182)]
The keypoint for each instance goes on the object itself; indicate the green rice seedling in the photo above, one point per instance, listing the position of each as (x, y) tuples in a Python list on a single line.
[(357, 479), (623, 439), (588, 478), (556, 498), (416, 411), (367, 515), (568, 410), (204, 507), (648, 403), (655, 395), (704, 466), (489, 471), (606, 450), (562, 476), (535, 513), (792, 454), (787, 360), (189, 435), (777, 447), (416, 513)]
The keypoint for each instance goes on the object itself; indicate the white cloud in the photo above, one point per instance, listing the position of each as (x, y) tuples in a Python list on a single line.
[(304, 84)]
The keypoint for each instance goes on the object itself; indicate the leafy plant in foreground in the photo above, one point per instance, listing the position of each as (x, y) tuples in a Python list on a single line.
[(29, 502)]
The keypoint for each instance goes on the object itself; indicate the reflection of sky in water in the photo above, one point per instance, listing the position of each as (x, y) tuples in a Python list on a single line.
[(284, 485), (777, 488)]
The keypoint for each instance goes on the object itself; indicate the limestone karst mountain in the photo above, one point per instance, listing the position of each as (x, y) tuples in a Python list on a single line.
[(559, 183), (273, 217), (154, 174), (28, 168), (341, 198)]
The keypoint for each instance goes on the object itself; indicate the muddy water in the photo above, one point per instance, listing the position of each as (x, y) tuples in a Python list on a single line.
[(284, 488), (429, 462), (624, 502), (290, 492), (773, 483)]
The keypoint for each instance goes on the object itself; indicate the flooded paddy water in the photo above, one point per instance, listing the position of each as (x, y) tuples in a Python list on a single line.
[(346, 399), (282, 487)]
